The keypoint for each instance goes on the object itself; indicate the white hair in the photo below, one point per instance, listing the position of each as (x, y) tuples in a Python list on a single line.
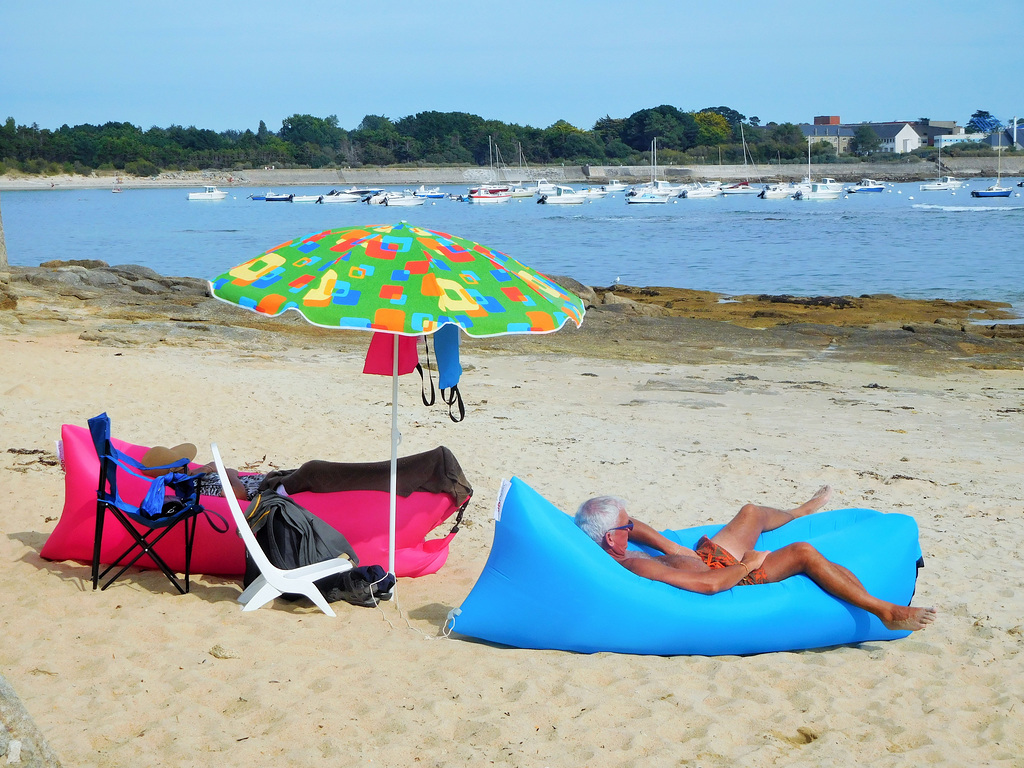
[(597, 516)]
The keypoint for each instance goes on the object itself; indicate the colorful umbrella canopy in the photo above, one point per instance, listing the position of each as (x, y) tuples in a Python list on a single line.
[(399, 279)]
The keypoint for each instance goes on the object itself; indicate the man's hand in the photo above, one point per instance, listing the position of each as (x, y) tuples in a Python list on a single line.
[(754, 559)]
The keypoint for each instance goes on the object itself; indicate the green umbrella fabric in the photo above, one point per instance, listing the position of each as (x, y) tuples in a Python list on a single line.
[(402, 280)]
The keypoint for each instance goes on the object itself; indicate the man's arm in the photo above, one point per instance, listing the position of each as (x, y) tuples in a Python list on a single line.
[(642, 533), (707, 582)]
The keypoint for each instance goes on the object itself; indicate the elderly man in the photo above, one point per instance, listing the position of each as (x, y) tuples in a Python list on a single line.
[(728, 558)]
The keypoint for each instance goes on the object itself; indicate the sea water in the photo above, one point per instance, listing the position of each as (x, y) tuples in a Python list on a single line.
[(902, 241)]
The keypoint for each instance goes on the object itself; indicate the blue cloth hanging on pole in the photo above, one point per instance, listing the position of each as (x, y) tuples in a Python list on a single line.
[(446, 349)]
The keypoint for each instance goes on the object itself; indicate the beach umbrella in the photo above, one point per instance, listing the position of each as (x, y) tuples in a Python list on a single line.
[(400, 280)]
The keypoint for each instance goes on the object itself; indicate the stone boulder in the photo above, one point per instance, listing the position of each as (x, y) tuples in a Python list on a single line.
[(585, 292)]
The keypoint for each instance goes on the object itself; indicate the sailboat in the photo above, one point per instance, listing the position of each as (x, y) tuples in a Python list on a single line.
[(517, 189), (997, 189), (826, 189), (742, 187), (493, 192), (943, 183), (655, 191)]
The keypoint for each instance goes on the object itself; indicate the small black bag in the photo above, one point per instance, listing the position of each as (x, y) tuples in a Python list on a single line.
[(365, 585)]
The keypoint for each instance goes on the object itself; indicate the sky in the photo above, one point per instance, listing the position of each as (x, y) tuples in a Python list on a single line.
[(223, 64)]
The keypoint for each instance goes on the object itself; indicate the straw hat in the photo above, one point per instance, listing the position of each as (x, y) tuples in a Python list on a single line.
[(159, 456)]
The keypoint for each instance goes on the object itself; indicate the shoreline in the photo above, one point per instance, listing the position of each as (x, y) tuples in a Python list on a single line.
[(130, 305), (967, 167)]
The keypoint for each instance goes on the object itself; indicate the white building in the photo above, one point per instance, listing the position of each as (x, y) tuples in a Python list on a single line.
[(898, 138)]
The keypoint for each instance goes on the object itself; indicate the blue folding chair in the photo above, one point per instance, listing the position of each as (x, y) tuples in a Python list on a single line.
[(157, 515)]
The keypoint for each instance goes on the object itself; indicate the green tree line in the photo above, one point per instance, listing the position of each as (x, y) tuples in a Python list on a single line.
[(710, 135)]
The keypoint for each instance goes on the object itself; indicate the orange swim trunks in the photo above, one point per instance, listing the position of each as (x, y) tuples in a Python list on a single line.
[(716, 557)]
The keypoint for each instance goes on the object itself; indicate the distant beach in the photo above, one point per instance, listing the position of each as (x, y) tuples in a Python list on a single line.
[(967, 167)]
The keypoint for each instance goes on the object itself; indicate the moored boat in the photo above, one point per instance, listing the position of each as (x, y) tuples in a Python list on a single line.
[(334, 196), (699, 191), (646, 197), (432, 192), (944, 183), (777, 191), (826, 189), (867, 185), (563, 196), (396, 199), (490, 194), (519, 191), (996, 190), (208, 193), (740, 188)]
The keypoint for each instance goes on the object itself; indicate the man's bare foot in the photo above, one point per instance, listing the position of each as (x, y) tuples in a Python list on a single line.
[(813, 504), (908, 618)]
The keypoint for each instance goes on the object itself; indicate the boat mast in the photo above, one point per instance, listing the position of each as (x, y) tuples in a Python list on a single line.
[(743, 143), (808, 159), (654, 161)]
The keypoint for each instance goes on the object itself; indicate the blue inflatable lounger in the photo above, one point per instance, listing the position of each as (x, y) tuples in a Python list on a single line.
[(600, 606)]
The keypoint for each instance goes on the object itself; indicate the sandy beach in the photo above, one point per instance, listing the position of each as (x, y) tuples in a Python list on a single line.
[(686, 432)]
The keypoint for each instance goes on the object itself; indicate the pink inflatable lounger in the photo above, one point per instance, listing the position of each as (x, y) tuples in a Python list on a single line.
[(360, 515)]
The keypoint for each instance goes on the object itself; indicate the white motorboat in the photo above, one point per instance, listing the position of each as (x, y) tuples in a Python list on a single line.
[(700, 191), (519, 191), (594, 193), (433, 193), (741, 188), (274, 197), (645, 197), (306, 198), (542, 187), (208, 193), (563, 196), (614, 185), (778, 191), (395, 199), (364, 192), (334, 196), (942, 184), (867, 185), (826, 189), (407, 198)]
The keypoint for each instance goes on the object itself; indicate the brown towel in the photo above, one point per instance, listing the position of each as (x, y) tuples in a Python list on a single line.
[(435, 471)]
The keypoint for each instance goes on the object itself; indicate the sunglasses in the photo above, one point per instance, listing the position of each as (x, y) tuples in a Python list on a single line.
[(627, 527)]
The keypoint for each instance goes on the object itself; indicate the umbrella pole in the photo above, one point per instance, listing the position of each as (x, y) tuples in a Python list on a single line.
[(395, 439)]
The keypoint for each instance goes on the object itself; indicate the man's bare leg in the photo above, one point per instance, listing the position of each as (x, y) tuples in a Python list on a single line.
[(840, 582), (752, 520)]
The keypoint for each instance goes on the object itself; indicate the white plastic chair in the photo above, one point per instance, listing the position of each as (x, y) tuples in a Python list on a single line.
[(274, 581)]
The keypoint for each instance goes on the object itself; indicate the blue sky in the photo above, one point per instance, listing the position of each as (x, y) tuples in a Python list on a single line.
[(224, 64)]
